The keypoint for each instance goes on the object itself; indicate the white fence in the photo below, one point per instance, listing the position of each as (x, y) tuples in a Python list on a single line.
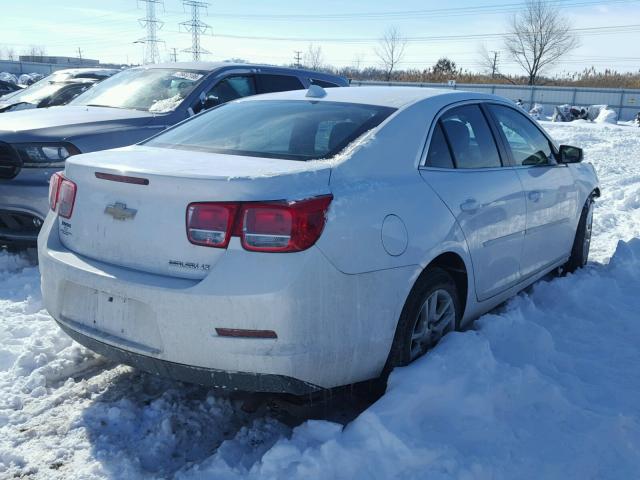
[(625, 102)]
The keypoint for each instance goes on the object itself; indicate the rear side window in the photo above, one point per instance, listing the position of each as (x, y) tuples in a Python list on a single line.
[(527, 144), (439, 155), (323, 83), (278, 83), (287, 129), (470, 138)]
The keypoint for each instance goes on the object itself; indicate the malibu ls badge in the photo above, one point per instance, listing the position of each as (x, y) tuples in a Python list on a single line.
[(119, 211)]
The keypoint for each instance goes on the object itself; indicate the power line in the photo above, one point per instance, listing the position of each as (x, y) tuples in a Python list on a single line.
[(196, 26), (412, 14), (152, 24), (613, 29)]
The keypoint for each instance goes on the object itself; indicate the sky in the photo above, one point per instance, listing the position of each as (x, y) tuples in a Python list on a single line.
[(347, 32)]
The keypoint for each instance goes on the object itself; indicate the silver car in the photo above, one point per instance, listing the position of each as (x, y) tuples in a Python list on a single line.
[(305, 240), (122, 110)]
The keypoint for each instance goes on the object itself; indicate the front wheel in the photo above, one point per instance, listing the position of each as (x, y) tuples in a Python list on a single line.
[(431, 310), (582, 241)]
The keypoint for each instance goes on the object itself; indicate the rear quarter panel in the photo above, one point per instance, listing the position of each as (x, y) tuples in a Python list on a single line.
[(382, 178)]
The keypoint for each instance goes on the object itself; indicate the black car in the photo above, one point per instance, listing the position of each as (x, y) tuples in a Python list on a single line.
[(7, 87)]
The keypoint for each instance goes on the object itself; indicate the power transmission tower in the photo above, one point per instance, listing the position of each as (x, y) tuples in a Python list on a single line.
[(298, 58), (494, 65), (80, 54), (196, 26), (152, 24), (174, 55)]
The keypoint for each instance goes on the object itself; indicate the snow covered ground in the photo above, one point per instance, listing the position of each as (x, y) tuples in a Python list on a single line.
[(548, 386)]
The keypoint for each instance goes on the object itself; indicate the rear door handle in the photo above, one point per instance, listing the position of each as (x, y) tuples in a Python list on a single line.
[(535, 195), (470, 205)]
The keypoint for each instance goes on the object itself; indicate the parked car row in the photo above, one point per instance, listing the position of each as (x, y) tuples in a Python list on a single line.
[(294, 241), (59, 88)]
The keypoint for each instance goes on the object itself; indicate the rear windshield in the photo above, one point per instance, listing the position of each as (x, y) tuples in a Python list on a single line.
[(287, 129)]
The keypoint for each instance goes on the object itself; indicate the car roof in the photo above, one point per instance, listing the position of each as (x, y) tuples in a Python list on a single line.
[(395, 97), (211, 66)]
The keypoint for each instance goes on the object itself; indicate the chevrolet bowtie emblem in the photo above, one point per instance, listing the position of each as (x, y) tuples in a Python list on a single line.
[(119, 211)]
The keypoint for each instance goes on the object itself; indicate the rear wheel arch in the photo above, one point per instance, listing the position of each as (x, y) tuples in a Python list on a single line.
[(448, 268), (454, 265)]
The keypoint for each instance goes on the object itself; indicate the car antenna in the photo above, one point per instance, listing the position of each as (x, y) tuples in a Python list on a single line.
[(316, 91)]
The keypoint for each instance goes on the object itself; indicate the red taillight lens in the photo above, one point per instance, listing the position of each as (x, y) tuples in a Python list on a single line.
[(266, 227), (66, 198), (210, 224), (54, 187), (290, 227), (262, 227), (62, 195)]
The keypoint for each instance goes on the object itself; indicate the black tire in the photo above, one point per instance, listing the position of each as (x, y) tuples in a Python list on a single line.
[(430, 281), (582, 240)]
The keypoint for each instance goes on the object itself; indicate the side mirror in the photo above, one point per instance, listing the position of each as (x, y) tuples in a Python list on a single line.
[(569, 154), (210, 102)]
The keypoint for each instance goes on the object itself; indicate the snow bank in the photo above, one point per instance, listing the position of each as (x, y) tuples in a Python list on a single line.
[(606, 115), (546, 387)]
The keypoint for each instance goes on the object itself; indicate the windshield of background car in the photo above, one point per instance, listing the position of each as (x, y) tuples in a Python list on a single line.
[(38, 91), (287, 129), (158, 90)]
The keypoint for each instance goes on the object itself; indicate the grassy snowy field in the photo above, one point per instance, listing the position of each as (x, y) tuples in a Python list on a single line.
[(547, 386)]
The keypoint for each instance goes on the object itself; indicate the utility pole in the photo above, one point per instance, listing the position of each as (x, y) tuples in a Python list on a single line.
[(494, 66), (196, 27), (80, 54), (298, 57), (152, 24), (174, 55)]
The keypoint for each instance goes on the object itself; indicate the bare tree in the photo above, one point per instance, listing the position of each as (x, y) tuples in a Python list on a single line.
[(36, 51), (489, 62), (390, 50), (356, 63), (313, 57), (11, 53), (538, 37)]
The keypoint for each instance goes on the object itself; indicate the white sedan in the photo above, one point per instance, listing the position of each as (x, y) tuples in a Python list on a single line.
[(304, 240)]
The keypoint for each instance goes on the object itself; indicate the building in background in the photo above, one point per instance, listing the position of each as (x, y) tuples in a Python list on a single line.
[(45, 64)]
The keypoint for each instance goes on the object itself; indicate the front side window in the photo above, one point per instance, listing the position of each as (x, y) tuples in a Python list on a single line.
[(287, 129), (158, 90), (227, 89), (527, 144), (470, 138)]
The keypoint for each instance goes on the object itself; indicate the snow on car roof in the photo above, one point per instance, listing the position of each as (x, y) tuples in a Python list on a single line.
[(76, 71), (395, 97), (211, 66)]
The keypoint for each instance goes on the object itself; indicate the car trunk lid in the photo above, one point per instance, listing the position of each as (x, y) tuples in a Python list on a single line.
[(130, 207)]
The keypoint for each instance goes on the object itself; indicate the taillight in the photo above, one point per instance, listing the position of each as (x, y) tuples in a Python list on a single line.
[(54, 187), (290, 227), (261, 226), (210, 224), (62, 195)]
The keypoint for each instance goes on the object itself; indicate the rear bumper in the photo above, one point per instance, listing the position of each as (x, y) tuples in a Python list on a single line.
[(249, 382), (332, 329)]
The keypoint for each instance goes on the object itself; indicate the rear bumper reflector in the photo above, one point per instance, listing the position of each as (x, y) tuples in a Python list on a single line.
[(122, 178), (241, 333)]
